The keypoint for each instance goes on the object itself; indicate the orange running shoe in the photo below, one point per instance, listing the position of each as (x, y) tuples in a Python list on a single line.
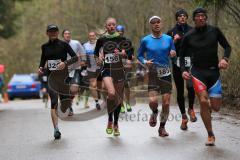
[(153, 119), (192, 115), (162, 132), (184, 124), (210, 141)]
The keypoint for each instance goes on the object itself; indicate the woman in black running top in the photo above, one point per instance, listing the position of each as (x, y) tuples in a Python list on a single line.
[(54, 53), (109, 52)]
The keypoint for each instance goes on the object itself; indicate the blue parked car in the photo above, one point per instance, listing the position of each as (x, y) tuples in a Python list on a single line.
[(23, 86)]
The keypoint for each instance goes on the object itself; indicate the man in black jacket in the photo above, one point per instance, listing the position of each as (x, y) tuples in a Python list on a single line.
[(202, 43), (177, 33)]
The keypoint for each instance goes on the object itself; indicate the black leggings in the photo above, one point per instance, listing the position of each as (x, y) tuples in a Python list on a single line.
[(116, 113), (179, 82)]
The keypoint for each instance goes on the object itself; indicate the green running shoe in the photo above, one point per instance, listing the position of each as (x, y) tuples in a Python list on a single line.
[(109, 128), (129, 108), (116, 131), (122, 109)]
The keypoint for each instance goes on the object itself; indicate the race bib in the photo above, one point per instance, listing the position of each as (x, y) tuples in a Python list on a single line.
[(187, 62), (44, 78), (111, 58), (52, 64), (71, 74), (163, 71)]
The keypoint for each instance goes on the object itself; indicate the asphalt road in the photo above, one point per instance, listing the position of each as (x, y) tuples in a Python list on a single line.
[(26, 134)]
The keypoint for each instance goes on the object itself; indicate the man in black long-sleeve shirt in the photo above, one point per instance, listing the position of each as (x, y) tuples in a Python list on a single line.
[(54, 53), (177, 33), (202, 44)]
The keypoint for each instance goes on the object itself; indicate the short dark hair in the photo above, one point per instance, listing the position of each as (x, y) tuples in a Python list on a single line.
[(65, 31), (179, 12), (199, 10)]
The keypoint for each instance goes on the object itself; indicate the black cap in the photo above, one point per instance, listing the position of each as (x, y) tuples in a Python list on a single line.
[(179, 12), (52, 27), (199, 10)]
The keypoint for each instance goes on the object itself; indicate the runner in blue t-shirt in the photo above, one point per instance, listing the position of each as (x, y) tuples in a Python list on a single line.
[(154, 51)]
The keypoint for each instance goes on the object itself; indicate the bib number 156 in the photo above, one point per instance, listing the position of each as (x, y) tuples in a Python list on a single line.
[(111, 58)]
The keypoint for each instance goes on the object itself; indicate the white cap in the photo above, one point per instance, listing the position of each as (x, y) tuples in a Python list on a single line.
[(154, 17)]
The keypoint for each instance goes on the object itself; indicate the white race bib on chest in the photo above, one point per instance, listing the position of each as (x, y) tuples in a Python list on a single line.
[(187, 62), (52, 64), (111, 58)]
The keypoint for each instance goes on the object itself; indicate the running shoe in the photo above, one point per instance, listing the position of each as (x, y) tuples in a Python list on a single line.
[(153, 119), (210, 141), (109, 128), (122, 109), (184, 124), (98, 106), (57, 134), (129, 108), (192, 115), (162, 132), (116, 131), (70, 112)]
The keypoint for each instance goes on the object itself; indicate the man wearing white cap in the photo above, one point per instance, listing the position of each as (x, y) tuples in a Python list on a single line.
[(158, 47)]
